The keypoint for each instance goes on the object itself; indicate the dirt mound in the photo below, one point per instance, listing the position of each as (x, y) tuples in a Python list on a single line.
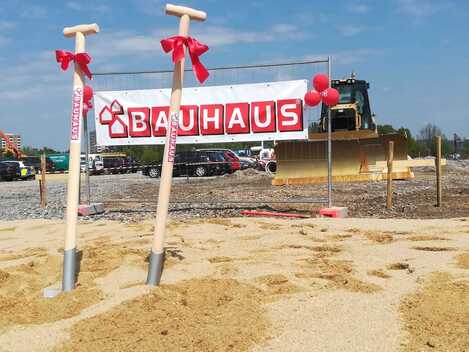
[(249, 174), (379, 273), (277, 284), (22, 302), (195, 315), (434, 249), (30, 252), (462, 260), (3, 276), (427, 238), (437, 316), (21, 287), (379, 237), (338, 273), (398, 266)]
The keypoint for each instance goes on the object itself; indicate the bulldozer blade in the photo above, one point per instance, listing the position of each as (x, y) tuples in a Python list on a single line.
[(354, 158)]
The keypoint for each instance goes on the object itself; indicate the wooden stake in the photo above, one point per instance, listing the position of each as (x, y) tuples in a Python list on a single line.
[(157, 249), (438, 171), (389, 184), (43, 180), (69, 273)]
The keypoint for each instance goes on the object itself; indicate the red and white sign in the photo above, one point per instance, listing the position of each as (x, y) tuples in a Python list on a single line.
[(75, 126), (219, 114)]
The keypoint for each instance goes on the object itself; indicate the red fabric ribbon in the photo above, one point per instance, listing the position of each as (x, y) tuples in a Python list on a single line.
[(82, 59), (177, 43)]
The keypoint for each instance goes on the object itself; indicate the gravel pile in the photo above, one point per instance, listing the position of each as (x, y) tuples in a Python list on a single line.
[(20, 199), (133, 197)]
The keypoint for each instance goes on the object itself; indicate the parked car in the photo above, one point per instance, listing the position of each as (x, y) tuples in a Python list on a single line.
[(35, 161), (113, 165), (26, 172), (192, 163), (229, 156), (246, 158), (221, 163), (9, 171)]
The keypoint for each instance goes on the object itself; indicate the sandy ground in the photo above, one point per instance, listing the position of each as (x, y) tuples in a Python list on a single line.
[(241, 285)]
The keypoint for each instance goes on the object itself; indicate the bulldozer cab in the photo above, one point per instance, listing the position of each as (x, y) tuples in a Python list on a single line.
[(353, 112)]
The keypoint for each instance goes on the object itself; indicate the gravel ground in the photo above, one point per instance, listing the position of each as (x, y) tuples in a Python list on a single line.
[(132, 197)]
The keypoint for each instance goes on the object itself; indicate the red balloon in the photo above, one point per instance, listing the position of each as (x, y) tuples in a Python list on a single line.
[(312, 98), (320, 82), (87, 94), (330, 96)]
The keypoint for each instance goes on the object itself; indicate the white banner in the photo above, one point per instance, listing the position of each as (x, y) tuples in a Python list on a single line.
[(218, 114)]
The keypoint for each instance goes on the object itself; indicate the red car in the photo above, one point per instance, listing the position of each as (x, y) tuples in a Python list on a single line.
[(233, 159)]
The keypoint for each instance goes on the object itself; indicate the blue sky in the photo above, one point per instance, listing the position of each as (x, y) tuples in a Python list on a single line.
[(415, 53)]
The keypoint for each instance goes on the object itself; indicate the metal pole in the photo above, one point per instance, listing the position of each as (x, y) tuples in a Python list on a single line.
[(87, 156), (438, 171), (329, 141), (43, 180), (389, 181)]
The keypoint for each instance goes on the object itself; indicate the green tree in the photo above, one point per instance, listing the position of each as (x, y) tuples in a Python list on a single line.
[(151, 154), (465, 149), (427, 141), (385, 129)]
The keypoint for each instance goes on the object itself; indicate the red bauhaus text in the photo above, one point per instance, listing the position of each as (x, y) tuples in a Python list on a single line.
[(202, 120)]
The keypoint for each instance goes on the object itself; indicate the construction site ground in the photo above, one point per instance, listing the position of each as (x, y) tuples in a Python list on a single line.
[(240, 284), (224, 196), (133, 197)]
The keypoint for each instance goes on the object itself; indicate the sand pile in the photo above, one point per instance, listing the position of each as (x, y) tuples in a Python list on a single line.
[(463, 260), (437, 316), (239, 285), (194, 315), (21, 294)]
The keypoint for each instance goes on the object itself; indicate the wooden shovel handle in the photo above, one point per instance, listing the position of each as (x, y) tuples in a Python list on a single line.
[(85, 29), (180, 11)]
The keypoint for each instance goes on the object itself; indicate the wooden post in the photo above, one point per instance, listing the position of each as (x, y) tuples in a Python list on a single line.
[(438, 171), (157, 250), (43, 181), (69, 269), (389, 184)]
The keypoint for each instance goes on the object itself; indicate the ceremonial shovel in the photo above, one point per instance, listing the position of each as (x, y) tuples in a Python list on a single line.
[(157, 250), (69, 268)]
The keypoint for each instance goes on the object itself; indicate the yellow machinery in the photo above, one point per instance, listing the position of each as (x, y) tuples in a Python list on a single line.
[(358, 152)]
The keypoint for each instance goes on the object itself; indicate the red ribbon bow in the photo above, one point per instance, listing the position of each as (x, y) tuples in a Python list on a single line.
[(82, 59), (177, 43)]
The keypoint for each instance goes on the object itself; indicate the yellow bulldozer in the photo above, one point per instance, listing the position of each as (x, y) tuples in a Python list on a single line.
[(359, 153)]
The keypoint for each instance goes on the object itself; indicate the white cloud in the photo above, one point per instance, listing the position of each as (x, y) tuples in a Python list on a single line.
[(126, 44), (122, 44), (34, 12), (6, 24), (74, 5), (420, 9), (4, 40), (284, 28), (360, 8), (348, 57), (150, 7), (350, 30), (215, 36), (80, 6)]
